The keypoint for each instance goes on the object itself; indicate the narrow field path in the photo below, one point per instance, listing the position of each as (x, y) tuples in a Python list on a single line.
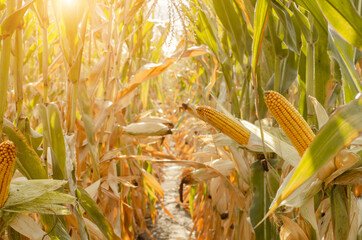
[(166, 228)]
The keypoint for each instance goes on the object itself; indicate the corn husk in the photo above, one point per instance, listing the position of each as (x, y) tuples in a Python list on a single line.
[(152, 119), (147, 129)]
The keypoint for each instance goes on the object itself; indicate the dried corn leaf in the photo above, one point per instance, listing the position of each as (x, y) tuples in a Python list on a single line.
[(343, 161), (14, 20), (93, 189), (151, 181), (291, 230), (308, 213), (26, 226), (94, 230), (151, 70)]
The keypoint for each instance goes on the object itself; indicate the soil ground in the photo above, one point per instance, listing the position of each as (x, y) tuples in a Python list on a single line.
[(165, 227)]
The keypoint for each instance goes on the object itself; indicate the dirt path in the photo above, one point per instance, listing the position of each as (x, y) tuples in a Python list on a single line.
[(165, 227)]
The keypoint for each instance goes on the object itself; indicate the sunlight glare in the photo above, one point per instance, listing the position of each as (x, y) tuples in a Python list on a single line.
[(69, 3), (162, 18)]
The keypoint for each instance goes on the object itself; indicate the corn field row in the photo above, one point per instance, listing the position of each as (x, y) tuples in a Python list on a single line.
[(257, 101)]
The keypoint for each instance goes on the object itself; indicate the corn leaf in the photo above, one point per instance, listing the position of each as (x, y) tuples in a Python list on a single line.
[(29, 163), (233, 25), (289, 31), (151, 70), (12, 22), (321, 113), (27, 227), (312, 6), (55, 228), (340, 216), (87, 118), (342, 52), (344, 19), (206, 33), (52, 131), (22, 191), (6, 218), (260, 20), (94, 213), (32, 207), (280, 147)]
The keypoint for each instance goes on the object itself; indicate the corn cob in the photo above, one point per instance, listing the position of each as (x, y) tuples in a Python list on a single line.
[(7, 162), (289, 119), (225, 124)]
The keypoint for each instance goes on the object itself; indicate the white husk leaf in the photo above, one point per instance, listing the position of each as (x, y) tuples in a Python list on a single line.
[(28, 227), (146, 129)]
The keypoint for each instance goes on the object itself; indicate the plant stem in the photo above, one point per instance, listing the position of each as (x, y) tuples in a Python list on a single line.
[(45, 51), (310, 73), (4, 67), (19, 73), (277, 74)]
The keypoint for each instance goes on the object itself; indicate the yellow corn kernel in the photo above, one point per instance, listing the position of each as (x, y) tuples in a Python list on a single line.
[(7, 162), (289, 119), (225, 124)]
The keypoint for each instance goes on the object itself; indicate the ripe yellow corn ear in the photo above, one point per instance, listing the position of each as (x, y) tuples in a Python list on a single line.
[(7, 163), (225, 124), (289, 119)]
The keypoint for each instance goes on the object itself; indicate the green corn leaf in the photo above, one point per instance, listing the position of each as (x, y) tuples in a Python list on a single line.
[(312, 7), (33, 207), (52, 131), (344, 19), (87, 118), (5, 220), (342, 52), (340, 216), (29, 163), (289, 32), (260, 20), (54, 227), (225, 10), (22, 191), (94, 213)]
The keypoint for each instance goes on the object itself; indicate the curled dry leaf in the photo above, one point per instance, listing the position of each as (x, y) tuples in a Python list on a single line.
[(343, 161), (345, 158), (218, 196), (291, 230), (94, 230)]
